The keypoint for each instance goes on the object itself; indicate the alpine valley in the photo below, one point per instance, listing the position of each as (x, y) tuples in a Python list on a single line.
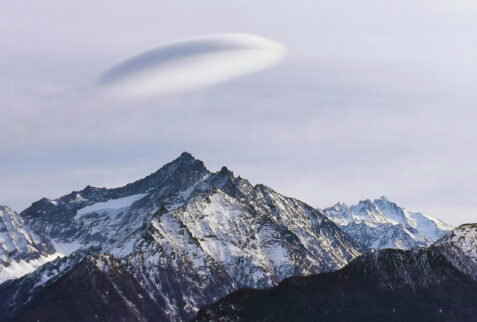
[(182, 238)]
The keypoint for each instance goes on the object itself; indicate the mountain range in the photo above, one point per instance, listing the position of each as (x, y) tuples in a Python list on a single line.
[(183, 237), (170, 243)]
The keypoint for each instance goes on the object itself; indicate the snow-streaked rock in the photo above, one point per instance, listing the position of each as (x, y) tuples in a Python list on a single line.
[(22, 250), (383, 224)]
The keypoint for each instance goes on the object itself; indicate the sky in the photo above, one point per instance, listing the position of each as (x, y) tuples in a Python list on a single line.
[(373, 98)]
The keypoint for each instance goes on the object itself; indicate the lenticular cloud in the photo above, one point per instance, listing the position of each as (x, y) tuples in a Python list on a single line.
[(191, 63)]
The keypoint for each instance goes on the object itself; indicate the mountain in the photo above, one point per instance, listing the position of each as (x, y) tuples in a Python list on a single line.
[(383, 224), (22, 250), (165, 245), (437, 283)]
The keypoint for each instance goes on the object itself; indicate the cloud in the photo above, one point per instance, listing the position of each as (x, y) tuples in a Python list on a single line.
[(191, 63)]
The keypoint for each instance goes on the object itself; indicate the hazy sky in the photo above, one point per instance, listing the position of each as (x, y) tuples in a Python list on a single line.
[(374, 98)]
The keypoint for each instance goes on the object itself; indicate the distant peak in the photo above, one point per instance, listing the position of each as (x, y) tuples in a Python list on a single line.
[(384, 199), (385, 202), (340, 204), (366, 202)]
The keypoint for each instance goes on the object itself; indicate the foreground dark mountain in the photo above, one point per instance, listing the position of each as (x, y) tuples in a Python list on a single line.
[(160, 248), (428, 284)]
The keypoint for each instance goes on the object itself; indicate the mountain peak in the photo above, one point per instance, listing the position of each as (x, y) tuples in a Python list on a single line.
[(365, 205), (185, 156), (385, 202), (366, 202), (340, 205), (384, 199), (182, 172), (225, 171)]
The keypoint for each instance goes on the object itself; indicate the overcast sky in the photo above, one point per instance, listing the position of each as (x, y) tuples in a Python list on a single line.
[(374, 98)]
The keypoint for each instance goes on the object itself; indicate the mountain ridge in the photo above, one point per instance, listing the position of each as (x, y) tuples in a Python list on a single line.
[(383, 224), (424, 284)]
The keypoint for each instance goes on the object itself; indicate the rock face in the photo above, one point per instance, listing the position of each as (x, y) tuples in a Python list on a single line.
[(163, 246), (21, 248), (383, 224), (427, 284)]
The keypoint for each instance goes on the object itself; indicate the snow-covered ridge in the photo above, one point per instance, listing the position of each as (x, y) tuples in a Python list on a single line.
[(383, 224)]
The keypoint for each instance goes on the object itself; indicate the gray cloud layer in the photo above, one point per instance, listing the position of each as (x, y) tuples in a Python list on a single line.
[(373, 99)]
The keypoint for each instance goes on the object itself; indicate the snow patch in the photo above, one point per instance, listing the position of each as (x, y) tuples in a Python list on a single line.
[(66, 249), (111, 207)]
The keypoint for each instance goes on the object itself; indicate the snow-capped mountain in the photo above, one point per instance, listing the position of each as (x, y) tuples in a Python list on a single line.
[(383, 224), (22, 250), (170, 243), (437, 283)]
